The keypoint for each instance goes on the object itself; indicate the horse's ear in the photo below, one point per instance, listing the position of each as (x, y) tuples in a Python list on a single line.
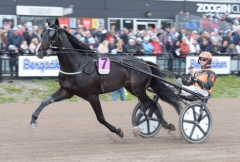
[(49, 24), (57, 22)]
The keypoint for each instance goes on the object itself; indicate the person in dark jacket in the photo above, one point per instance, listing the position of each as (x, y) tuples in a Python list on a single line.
[(124, 37), (131, 47), (29, 35), (228, 37), (214, 48), (139, 45), (223, 48), (111, 45), (15, 39), (174, 53), (204, 46)]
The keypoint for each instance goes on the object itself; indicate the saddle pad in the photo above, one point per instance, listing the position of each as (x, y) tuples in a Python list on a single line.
[(103, 65)]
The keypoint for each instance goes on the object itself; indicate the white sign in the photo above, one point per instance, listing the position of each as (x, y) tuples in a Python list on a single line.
[(149, 58), (231, 8), (39, 11), (31, 66), (220, 64)]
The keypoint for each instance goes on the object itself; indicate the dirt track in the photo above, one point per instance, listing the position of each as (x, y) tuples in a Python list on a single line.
[(70, 132)]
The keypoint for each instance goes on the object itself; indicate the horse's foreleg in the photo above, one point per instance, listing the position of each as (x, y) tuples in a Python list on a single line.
[(95, 103), (59, 95)]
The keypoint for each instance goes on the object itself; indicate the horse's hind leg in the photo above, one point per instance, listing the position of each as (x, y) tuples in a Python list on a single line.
[(95, 103), (59, 95)]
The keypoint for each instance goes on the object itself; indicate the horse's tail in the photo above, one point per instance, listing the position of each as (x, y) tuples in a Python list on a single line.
[(161, 89)]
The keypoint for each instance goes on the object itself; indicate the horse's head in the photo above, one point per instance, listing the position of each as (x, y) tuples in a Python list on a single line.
[(49, 37)]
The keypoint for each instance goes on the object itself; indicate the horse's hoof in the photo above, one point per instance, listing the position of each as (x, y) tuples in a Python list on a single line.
[(136, 131), (171, 127), (121, 134), (32, 126)]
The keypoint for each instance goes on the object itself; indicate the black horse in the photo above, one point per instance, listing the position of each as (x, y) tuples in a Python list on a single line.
[(79, 76)]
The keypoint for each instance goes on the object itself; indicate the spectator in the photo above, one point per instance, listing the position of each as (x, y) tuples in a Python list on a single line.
[(131, 47), (194, 47), (97, 34), (161, 37), (157, 48), (175, 49), (218, 36), (111, 45), (39, 34), (141, 34), (91, 43), (182, 34), (113, 27), (103, 47), (214, 48), (124, 37), (236, 36), (147, 46), (19, 29), (29, 35), (228, 36), (111, 35), (139, 45), (24, 48), (193, 36), (79, 31), (204, 46), (223, 48), (231, 49), (200, 39), (236, 25), (87, 36), (120, 48), (238, 47), (3, 41), (82, 39), (130, 34), (169, 43), (33, 45), (103, 36), (119, 91), (174, 34), (15, 39), (184, 48)]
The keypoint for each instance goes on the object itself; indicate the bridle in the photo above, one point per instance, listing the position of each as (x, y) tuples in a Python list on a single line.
[(53, 34)]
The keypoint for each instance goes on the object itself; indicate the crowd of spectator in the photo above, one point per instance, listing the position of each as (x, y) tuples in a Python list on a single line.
[(23, 40)]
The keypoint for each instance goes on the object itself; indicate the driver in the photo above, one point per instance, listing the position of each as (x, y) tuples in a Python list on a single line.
[(202, 80)]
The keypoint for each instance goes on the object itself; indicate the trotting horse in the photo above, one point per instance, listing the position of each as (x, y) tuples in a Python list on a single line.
[(79, 76)]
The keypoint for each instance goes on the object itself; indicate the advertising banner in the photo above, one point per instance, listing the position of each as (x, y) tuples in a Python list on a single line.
[(220, 64), (94, 23), (100, 22), (72, 23), (31, 66), (39, 11), (64, 22), (86, 22)]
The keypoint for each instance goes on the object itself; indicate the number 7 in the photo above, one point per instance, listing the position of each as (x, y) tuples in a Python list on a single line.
[(105, 60)]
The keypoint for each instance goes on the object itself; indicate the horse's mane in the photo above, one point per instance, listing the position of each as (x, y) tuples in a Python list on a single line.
[(76, 43)]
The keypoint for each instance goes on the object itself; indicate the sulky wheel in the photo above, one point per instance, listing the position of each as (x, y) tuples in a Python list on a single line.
[(149, 123), (194, 127)]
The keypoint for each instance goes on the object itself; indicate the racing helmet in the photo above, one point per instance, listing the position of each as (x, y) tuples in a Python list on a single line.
[(206, 55)]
